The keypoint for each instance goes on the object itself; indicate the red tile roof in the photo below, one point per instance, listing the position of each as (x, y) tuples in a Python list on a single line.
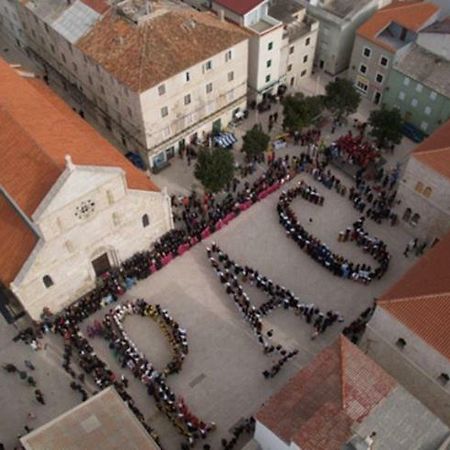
[(421, 298), (410, 14), (427, 316), (317, 408), (37, 129), (435, 150), (239, 6), (100, 6)]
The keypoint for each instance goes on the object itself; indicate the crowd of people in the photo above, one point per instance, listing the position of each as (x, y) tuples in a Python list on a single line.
[(232, 275), (319, 251)]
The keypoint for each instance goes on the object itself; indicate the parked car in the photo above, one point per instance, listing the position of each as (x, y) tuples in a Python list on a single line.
[(136, 160), (412, 132)]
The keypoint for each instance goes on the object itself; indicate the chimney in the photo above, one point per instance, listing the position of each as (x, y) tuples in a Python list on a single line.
[(69, 164), (221, 15)]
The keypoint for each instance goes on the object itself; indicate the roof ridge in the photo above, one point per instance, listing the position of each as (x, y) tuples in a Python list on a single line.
[(435, 150), (412, 298)]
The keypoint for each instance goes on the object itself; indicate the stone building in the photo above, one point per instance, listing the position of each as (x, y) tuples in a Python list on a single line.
[(282, 43), (156, 74), (381, 38), (418, 83), (64, 219), (344, 401), (10, 24), (424, 190), (339, 20), (409, 334)]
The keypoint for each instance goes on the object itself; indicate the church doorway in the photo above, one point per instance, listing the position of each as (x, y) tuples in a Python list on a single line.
[(101, 264)]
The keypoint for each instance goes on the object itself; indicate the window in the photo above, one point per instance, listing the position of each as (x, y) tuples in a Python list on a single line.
[(433, 95), (187, 76), (414, 102), (207, 66), (443, 378), (46, 27), (308, 40), (303, 73), (419, 87), (85, 59), (69, 45), (110, 197), (419, 187), (291, 49), (75, 68), (363, 68), (305, 58), (47, 280), (415, 219), (116, 218), (427, 192), (187, 99), (162, 88), (427, 110), (270, 46), (90, 80), (116, 101), (209, 88), (52, 47), (424, 126), (268, 63), (102, 89), (63, 57), (164, 111), (406, 81), (379, 78), (145, 220), (289, 67), (384, 61), (267, 78), (125, 91), (230, 76), (367, 52), (401, 95), (401, 343), (362, 86), (129, 111), (228, 55)]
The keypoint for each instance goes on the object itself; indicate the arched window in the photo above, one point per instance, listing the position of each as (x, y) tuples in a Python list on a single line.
[(427, 192), (407, 214), (419, 187), (415, 219), (47, 280), (145, 220)]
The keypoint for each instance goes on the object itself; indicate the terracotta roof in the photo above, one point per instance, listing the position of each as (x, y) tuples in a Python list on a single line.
[(17, 241), (100, 6), (37, 130), (143, 56), (427, 316), (435, 150), (319, 406), (429, 276), (239, 6), (410, 14)]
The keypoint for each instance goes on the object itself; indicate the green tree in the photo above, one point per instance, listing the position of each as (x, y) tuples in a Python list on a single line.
[(386, 126), (255, 143), (341, 98), (214, 168), (300, 111)]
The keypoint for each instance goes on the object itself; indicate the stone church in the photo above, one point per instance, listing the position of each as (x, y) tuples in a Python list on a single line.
[(71, 206)]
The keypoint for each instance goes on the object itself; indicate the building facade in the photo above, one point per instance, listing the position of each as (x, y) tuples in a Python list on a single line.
[(10, 24), (71, 206), (418, 83), (155, 92), (424, 190), (282, 43), (338, 24), (381, 39)]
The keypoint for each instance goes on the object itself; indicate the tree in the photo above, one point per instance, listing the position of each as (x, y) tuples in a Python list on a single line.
[(214, 168), (341, 98), (255, 143), (300, 111), (386, 126)]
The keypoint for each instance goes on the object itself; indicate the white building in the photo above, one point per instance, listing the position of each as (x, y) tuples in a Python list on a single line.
[(282, 44), (65, 220), (157, 77), (10, 23), (409, 334), (424, 190), (339, 20)]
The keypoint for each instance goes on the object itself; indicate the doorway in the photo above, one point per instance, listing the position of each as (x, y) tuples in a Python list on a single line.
[(377, 98), (321, 64), (101, 264)]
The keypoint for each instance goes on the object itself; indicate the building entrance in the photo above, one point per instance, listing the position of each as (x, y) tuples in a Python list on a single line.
[(101, 264)]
